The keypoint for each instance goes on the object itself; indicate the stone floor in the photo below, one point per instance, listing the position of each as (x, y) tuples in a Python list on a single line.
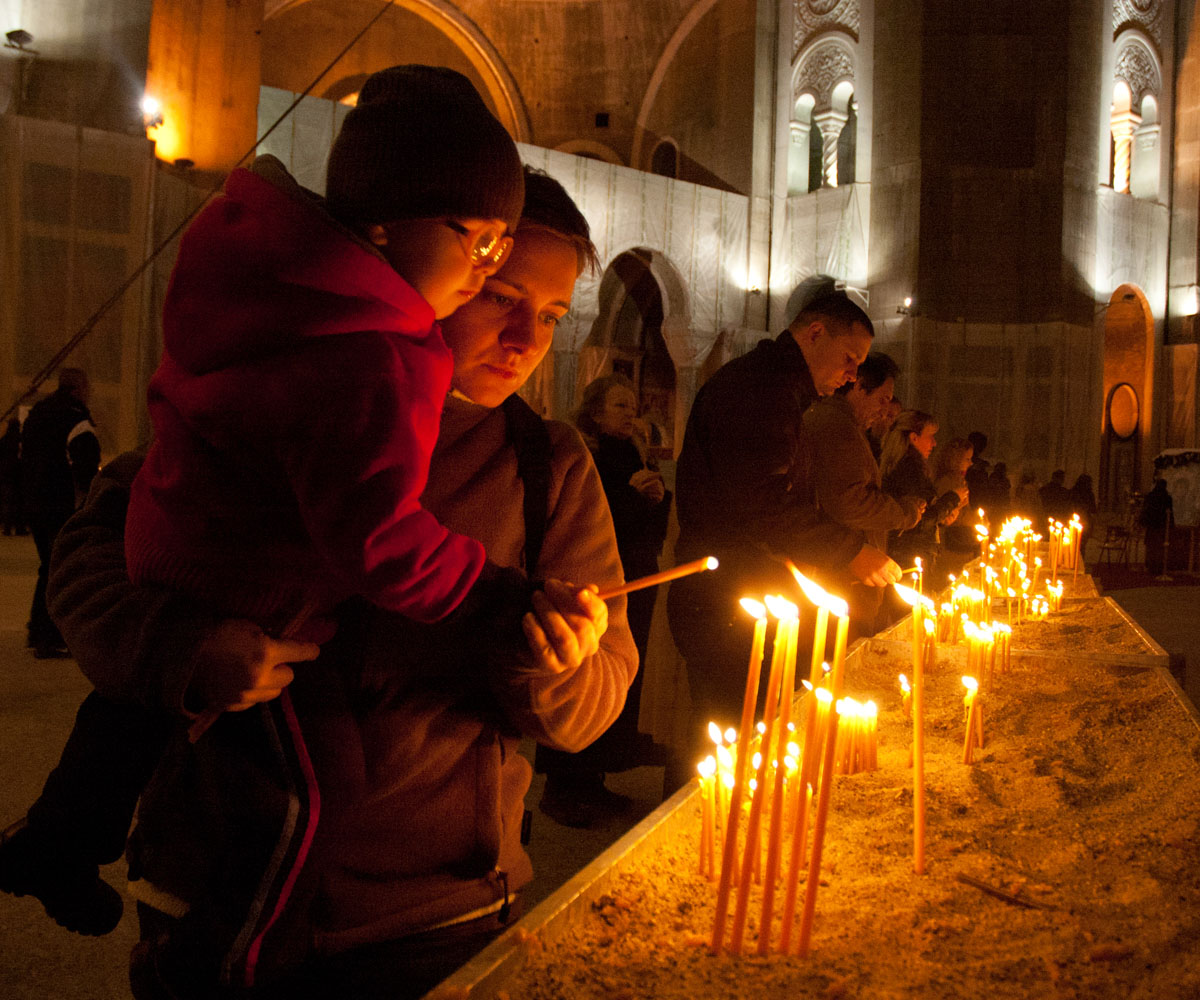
[(38, 698)]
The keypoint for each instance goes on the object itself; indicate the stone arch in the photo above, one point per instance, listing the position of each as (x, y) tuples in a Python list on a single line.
[(1128, 361), (1134, 121), (642, 328), (591, 149), (823, 73), (501, 85), (1137, 64), (821, 65), (693, 17)]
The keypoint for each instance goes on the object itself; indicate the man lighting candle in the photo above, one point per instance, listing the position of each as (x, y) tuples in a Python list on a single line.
[(745, 493)]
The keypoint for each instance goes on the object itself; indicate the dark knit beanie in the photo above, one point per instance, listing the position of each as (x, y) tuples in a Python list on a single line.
[(421, 143)]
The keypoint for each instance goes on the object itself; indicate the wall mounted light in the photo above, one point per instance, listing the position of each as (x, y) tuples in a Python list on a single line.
[(18, 38), (152, 116), (905, 308)]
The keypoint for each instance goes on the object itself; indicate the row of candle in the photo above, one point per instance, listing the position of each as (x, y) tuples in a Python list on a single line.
[(840, 736), (1064, 544), (781, 797)]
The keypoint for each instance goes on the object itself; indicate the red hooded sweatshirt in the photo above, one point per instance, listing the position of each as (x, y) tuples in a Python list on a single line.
[(295, 411)]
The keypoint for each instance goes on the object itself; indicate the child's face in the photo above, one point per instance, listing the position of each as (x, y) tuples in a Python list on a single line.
[(499, 338), (432, 255)]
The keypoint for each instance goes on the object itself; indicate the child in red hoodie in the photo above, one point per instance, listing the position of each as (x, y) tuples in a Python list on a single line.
[(300, 390)]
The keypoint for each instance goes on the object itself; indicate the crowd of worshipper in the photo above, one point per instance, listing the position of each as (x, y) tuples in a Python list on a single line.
[(355, 570)]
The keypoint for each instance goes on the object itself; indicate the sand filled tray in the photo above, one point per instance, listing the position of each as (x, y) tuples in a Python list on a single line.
[(1086, 625), (1064, 863)]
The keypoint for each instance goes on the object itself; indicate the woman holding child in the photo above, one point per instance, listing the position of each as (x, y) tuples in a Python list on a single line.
[(360, 836)]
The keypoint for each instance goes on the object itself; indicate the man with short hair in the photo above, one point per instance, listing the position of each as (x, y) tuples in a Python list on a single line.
[(745, 494), (1055, 498), (846, 474), (60, 455)]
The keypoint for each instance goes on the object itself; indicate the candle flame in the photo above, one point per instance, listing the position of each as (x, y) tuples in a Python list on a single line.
[(731, 736), (724, 757), (714, 733), (710, 563), (970, 683), (707, 767), (806, 683), (753, 608), (911, 597), (818, 595), (920, 566), (727, 779), (781, 607), (793, 749), (824, 695), (756, 761), (904, 685), (929, 626)]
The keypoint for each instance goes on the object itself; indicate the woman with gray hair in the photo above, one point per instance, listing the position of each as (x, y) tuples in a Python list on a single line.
[(575, 793)]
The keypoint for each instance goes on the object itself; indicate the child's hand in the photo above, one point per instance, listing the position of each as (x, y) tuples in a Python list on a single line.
[(565, 626), (239, 666)]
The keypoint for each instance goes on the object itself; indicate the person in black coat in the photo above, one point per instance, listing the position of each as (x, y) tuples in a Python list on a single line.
[(904, 466), (60, 455), (745, 493), (575, 793), (1157, 509), (12, 513)]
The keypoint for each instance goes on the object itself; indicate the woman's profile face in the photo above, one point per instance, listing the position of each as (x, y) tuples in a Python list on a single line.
[(615, 417), (925, 441), (501, 335)]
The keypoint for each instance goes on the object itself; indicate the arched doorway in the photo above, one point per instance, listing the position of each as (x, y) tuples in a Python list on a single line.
[(300, 37), (1120, 452), (636, 306), (1128, 391)]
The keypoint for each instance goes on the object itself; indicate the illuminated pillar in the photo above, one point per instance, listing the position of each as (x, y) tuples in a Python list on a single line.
[(204, 67), (830, 123), (798, 158), (1123, 124)]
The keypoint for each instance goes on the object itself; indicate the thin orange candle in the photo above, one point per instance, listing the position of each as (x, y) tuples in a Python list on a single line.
[(666, 576), (918, 702), (841, 610), (745, 736), (775, 837), (752, 852), (816, 595), (974, 727), (707, 769), (814, 865)]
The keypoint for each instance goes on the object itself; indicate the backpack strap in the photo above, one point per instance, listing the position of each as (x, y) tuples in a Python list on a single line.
[(531, 441)]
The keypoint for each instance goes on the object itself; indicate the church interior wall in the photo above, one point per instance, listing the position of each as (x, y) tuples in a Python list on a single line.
[(706, 104), (1184, 302), (982, 155), (90, 61), (300, 41), (77, 222)]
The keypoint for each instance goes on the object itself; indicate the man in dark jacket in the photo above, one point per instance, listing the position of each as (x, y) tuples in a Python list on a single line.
[(60, 455), (846, 474), (745, 494)]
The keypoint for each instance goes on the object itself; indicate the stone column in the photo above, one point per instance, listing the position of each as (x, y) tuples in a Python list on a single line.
[(798, 157), (1123, 125), (830, 123), (204, 67)]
